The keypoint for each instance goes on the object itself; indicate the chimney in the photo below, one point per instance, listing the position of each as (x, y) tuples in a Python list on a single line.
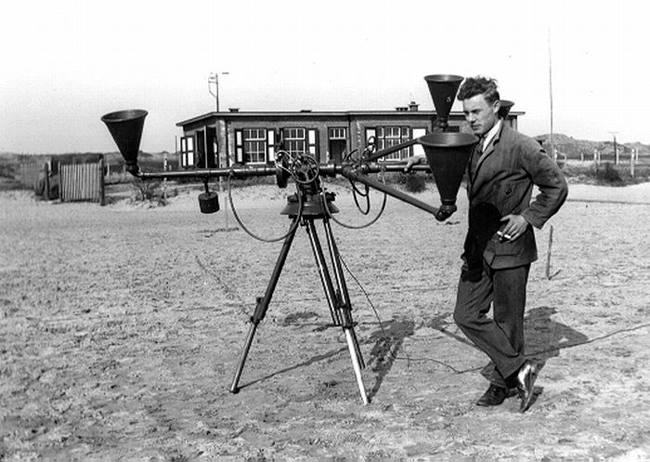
[(413, 107), (233, 109)]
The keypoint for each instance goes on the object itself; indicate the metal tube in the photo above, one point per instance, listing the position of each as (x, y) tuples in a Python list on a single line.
[(391, 150), (269, 170), (240, 172), (355, 175)]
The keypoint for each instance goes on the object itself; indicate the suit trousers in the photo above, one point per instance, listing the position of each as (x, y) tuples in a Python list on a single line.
[(500, 337)]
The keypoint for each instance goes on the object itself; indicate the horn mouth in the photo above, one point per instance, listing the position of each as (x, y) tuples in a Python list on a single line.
[(448, 155), (448, 140), (123, 116), (126, 129), (443, 89), (443, 78)]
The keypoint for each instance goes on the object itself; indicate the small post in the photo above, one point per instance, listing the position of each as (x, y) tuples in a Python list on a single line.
[(46, 193), (102, 183), (165, 168), (548, 253)]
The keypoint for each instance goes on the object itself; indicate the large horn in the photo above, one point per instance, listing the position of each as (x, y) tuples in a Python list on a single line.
[(504, 110), (443, 89), (448, 154), (126, 129)]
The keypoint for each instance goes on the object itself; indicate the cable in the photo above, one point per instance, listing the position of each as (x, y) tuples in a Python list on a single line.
[(365, 225), (408, 358), (387, 339), (291, 230)]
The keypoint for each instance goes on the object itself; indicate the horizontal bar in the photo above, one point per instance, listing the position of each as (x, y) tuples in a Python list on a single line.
[(391, 150), (356, 175), (269, 170), (240, 172)]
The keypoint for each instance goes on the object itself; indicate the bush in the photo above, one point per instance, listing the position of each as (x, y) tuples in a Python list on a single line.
[(607, 174), (413, 183), (150, 191)]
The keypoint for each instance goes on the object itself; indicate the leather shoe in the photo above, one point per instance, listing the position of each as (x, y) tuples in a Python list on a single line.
[(525, 380), (494, 396)]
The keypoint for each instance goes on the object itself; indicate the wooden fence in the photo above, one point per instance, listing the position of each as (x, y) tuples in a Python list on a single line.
[(32, 173), (67, 177), (82, 182)]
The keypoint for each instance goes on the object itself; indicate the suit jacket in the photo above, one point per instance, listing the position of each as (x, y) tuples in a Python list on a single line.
[(503, 179)]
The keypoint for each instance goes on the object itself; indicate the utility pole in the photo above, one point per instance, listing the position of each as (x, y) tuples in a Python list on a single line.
[(214, 79), (222, 153), (550, 90)]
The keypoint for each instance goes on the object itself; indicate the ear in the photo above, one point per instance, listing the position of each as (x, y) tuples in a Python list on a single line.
[(496, 106)]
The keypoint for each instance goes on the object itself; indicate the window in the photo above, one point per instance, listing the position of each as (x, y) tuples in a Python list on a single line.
[(294, 140), (338, 133), (254, 145), (391, 136), (187, 151)]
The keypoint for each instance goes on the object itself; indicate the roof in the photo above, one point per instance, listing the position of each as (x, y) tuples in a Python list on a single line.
[(315, 114)]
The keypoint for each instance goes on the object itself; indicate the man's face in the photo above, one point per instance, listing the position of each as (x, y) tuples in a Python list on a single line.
[(480, 114)]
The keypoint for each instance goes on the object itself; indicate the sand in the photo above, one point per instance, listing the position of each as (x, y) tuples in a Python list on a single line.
[(121, 327)]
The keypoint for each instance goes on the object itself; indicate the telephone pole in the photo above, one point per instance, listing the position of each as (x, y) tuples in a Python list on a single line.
[(550, 91), (214, 79)]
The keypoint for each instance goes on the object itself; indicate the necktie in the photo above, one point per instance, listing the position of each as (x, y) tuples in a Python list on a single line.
[(476, 154)]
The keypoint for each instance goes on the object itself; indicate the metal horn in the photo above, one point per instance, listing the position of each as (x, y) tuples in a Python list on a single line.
[(126, 129), (443, 89)]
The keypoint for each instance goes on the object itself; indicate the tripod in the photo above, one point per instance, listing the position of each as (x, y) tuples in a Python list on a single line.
[(304, 210)]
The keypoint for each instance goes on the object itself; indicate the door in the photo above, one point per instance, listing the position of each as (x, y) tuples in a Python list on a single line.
[(338, 143)]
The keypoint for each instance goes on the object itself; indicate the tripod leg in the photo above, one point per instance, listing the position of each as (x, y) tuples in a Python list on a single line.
[(353, 346), (328, 287), (345, 307), (263, 305)]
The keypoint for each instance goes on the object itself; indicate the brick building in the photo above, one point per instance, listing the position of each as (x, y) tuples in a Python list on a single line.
[(220, 139)]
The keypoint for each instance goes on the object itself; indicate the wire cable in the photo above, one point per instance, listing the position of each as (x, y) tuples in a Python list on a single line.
[(386, 338), (365, 225), (292, 228)]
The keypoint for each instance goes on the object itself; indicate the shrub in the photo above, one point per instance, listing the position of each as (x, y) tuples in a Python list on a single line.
[(606, 173), (413, 183), (150, 191)]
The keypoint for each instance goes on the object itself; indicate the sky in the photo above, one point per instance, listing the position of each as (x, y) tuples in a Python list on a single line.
[(65, 63)]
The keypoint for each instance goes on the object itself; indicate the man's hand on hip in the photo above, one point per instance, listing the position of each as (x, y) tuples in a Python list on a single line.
[(514, 227)]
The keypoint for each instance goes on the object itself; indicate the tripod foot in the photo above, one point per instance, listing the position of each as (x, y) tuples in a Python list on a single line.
[(356, 364), (234, 388)]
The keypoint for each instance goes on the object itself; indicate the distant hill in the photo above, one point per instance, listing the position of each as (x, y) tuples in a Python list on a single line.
[(575, 149)]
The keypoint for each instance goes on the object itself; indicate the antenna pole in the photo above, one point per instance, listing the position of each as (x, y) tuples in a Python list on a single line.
[(550, 90)]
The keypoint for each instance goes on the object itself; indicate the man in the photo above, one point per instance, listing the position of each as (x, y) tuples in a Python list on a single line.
[(500, 244)]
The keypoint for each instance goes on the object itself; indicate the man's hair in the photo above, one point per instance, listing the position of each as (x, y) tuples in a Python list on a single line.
[(479, 85)]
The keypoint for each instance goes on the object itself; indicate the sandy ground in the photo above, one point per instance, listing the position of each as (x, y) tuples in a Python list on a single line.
[(121, 327)]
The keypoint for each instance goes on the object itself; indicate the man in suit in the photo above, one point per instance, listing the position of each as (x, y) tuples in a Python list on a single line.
[(500, 244)]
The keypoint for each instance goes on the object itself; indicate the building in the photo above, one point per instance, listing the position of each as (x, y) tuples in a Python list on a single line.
[(221, 139)]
